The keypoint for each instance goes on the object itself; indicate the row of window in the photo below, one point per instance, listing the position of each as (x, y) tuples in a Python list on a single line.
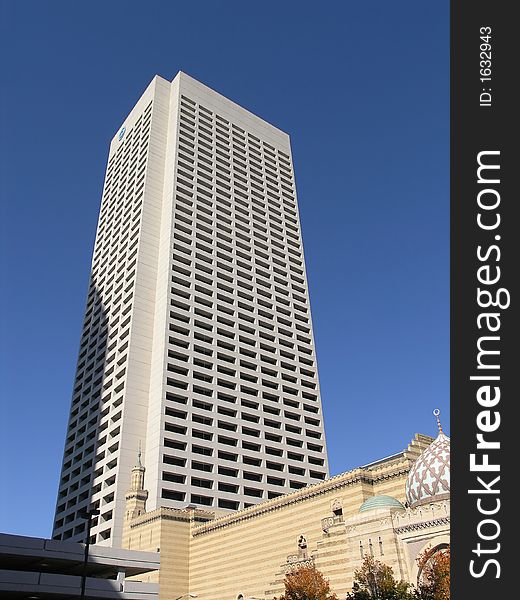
[(226, 424), (231, 214), (251, 172), (279, 212), (253, 241), (241, 380), (216, 124), (203, 500), (231, 488), (368, 547), (227, 427), (254, 373), (248, 461), (244, 192), (115, 249), (241, 236), (259, 318), (241, 270), (241, 341), (233, 442), (249, 396), (225, 223), (252, 281), (232, 401), (133, 140), (259, 165)]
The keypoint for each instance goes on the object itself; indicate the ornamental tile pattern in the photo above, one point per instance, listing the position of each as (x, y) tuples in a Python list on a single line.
[(429, 477)]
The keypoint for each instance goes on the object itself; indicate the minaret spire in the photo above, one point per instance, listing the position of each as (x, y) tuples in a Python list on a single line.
[(137, 480), (139, 464), (136, 496), (436, 414)]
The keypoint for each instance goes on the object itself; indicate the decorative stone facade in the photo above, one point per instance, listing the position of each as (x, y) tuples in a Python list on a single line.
[(429, 477), (248, 552)]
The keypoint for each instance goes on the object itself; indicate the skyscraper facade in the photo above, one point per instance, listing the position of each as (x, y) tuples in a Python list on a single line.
[(197, 344)]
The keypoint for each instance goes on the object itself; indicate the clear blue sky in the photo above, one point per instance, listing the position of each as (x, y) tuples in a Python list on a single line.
[(362, 88)]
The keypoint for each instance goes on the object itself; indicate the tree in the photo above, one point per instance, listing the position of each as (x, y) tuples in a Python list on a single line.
[(434, 580), (376, 581), (306, 583)]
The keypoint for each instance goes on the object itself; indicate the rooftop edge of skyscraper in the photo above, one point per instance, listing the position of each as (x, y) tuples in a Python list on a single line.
[(263, 127)]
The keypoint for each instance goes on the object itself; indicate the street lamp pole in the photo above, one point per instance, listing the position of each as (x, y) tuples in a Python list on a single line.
[(87, 515)]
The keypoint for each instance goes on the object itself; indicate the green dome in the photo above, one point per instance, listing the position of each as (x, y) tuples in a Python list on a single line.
[(380, 502)]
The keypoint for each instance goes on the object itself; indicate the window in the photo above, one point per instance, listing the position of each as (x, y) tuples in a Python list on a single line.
[(230, 504), (199, 482), (172, 495), (201, 466), (175, 477), (204, 500), (228, 487)]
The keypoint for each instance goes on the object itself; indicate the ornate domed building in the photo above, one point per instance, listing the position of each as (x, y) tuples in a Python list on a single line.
[(391, 509), (397, 533), (429, 477), (382, 501)]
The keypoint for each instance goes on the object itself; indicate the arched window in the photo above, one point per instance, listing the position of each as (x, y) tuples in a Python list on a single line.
[(431, 553)]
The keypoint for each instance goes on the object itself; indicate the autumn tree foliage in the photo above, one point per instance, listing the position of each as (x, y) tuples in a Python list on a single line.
[(306, 583), (434, 581), (375, 581)]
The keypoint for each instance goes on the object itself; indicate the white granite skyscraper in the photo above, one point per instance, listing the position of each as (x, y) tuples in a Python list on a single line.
[(197, 343)]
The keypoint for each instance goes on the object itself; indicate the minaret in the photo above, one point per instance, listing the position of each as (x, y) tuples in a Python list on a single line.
[(436, 414), (136, 496)]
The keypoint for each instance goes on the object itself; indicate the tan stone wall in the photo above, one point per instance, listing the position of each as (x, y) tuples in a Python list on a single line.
[(372, 533), (414, 537), (150, 536), (168, 531), (146, 537), (247, 556), (247, 552)]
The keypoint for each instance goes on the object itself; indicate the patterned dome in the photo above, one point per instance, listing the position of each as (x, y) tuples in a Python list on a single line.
[(380, 502), (429, 477)]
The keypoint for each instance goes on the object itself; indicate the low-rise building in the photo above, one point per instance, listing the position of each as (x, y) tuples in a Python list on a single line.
[(392, 509), (37, 568)]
